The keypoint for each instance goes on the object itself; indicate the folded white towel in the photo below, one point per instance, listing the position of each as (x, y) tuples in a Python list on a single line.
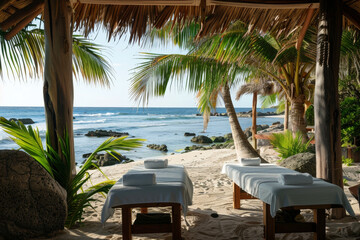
[(295, 179), (250, 161), (155, 163), (139, 179)]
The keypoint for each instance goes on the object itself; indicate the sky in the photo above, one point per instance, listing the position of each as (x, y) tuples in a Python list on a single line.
[(123, 58)]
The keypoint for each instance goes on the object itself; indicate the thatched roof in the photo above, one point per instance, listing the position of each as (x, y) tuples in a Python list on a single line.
[(118, 16)]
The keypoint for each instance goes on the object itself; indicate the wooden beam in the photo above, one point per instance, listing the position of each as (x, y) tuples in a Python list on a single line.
[(326, 103), (352, 15), (5, 4), (304, 28), (22, 24), (21, 14)]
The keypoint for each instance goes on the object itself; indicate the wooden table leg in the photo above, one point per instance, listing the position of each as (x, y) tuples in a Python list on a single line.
[(319, 219), (176, 222), (126, 223), (269, 223), (236, 196)]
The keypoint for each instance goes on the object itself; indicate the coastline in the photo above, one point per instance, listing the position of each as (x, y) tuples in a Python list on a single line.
[(212, 194)]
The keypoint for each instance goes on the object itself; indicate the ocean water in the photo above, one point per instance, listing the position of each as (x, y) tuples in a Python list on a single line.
[(156, 125)]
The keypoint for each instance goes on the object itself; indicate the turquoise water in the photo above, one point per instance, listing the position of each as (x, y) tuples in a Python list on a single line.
[(156, 125)]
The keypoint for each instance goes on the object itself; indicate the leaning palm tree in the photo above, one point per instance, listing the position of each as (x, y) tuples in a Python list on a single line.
[(205, 75)]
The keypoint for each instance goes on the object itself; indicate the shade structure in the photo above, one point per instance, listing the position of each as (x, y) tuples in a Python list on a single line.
[(118, 16)]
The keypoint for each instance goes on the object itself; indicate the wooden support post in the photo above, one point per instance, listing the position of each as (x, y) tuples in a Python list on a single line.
[(126, 223), (236, 196), (269, 223), (319, 219), (253, 127), (326, 103), (176, 222), (58, 83)]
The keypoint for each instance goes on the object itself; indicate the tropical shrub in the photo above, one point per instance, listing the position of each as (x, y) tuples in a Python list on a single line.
[(310, 116), (347, 161), (287, 144), (350, 124), (78, 198)]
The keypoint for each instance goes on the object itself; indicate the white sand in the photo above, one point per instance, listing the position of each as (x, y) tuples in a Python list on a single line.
[(212, 194)]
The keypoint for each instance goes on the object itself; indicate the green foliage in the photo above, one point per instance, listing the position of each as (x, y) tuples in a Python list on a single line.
[(347, 161), (345, 181), (310, 116), (288, 145), (78, 198), (350, 124)]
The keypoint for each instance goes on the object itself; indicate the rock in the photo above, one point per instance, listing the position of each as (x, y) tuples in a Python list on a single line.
[(223, 114), (201, 139), (32, 203), (275, 123), (218, 139), (104, 133), (263, 126), (25, 121), (109, 160), (248, 132), (161, 147), (228, 136), (301, 162), (187, 134)]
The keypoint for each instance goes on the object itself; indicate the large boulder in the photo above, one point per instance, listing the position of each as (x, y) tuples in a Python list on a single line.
[(217, 139), (301, 162), (201, 139), (32, 203)]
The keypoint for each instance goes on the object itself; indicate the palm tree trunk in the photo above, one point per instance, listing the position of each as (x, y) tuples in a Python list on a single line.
[(242, 145), (297, 115), (286, 116), (58, 84)]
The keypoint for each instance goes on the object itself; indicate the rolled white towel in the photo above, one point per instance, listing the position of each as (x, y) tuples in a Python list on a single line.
[(295, 179), (155, 163), (139, 179), (250, 161)]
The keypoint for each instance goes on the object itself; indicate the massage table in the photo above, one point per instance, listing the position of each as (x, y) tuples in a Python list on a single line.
[(261, 182), (173, 188)]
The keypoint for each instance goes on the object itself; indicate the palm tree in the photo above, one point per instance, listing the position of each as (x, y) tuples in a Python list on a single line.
[(274, 58), (206, 75), (23, 56)]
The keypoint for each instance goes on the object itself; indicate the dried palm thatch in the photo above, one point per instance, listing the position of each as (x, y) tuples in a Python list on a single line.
[(136, 16)]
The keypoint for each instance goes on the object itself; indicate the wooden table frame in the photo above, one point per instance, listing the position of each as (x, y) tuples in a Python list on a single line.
[(128, 228), (271, 227)]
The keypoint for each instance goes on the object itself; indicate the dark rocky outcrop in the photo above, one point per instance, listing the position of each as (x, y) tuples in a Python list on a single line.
[(228, 137), (161, 147), (104, 133), (187, 134), (32, 203), (212, 146), (106, 159), (218, 139), (301, 162), (25, 121), (201, 139)]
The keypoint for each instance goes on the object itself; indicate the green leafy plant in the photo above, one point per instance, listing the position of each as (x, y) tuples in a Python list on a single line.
[(287, 144), (310, 116), (345, 181), (350, 124), (78, 198), (347, 161)]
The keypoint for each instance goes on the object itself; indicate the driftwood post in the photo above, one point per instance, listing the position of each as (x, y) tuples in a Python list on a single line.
[(327, 112), (58, 83)]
